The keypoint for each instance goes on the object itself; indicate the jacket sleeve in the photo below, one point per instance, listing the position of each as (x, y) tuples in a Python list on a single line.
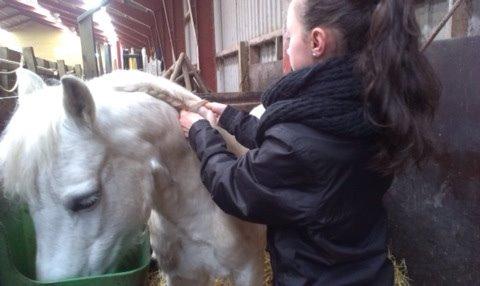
[(241, 125), (262, 186)]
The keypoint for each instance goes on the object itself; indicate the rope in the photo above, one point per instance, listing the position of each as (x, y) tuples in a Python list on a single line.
[(20, 65), (8, 97), (441, 24)]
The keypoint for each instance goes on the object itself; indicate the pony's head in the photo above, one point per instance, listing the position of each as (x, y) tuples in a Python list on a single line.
[(84, 166)]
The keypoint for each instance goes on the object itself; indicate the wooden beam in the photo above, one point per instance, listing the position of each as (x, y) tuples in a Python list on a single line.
[(149, 4), (128, 21), (108, 59), (17, 24), (141, 41), (125, 11), (29, 58), (73, 23), (135, 42), (6, 18), (263, 39), (228, 52), (206, 48), (61, 6), (100, 60), (279, 48), (41, 63), (87, 39), (461, 18), (127, 43), (4, 77), (62, 69), (58, 9), (78, 71), (28, 11), (119, 24), (244, 82)]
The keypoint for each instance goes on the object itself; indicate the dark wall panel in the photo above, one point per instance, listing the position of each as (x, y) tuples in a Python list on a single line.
[(435, 213)]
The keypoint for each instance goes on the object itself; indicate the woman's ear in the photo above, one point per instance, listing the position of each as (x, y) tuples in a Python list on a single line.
[(318, 42)]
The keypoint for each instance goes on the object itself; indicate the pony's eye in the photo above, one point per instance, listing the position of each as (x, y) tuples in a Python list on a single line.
[(84, 202)]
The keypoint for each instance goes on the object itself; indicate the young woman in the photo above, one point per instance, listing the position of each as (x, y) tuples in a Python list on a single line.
[(355, 110)]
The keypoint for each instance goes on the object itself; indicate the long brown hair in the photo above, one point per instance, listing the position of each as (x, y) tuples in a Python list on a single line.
[(401, 91)]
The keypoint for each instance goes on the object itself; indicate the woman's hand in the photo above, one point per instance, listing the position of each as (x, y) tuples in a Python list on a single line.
[(187, 119), (217, 108)]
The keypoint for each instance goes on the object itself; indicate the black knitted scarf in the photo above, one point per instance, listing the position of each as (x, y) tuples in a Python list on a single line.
[(325, 97)]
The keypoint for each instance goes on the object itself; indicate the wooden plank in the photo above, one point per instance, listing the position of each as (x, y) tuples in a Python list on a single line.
[(255, 42), (267, 38), (196, 76), (52, 65), (62, 69), (41, 63), (29, 58), (178, 67), (279, 48), (461, 18), (87, 39), (228, 52), (244, 82), (100, 60), (78, 71), (108, 59), (4, 77), (186, 77), (254, 55)]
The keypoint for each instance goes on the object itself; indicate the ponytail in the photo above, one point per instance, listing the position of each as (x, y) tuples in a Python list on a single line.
[(401, 91)]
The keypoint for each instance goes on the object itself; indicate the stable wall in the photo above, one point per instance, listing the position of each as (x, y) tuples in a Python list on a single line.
[(434, 213), (49, 43)]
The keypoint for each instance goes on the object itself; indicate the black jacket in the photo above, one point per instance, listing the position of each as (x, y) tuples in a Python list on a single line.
[(321, 203)]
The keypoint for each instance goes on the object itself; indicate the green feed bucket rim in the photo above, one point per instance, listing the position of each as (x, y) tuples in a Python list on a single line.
[(105, 277)]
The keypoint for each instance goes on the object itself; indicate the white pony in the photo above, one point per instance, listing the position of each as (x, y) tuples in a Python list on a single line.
[(95, 159)]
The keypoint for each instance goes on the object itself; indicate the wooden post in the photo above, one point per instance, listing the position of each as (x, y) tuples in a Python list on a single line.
[(178, 67), (244, 82), (254, 55), (196, 76), (41, 63), (78, 71), (108, 59), (87, 39), (186, 77), (100, 60), (460, 19), (279, 48), (29, 58), (4, 77), (62, 69)]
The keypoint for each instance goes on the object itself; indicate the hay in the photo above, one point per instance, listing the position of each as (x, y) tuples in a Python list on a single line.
[(400, 272)]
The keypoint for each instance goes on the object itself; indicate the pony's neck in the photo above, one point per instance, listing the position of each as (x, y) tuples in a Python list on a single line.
[(181, 197)]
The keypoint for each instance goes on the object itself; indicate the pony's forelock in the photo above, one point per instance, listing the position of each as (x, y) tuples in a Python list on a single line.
[(28, 143)]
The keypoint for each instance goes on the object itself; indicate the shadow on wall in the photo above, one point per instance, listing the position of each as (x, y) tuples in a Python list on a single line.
[(435, 213)]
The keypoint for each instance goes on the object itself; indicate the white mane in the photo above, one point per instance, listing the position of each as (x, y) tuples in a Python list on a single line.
[(28, 142)]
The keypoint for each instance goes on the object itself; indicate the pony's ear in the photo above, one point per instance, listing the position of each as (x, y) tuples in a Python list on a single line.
[(78, 101), (28, 82)]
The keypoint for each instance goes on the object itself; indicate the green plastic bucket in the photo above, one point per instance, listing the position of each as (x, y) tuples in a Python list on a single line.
[(17, 255)]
